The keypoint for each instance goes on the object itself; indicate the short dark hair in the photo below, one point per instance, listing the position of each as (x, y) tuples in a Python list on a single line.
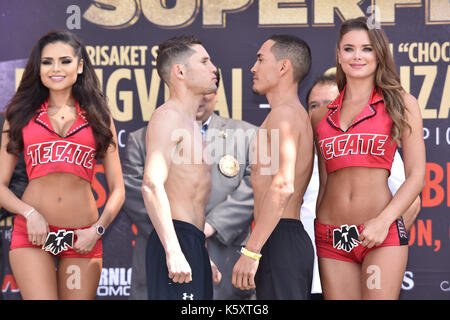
[(296, 50), (322, 79), (174, 50), (218, 78)]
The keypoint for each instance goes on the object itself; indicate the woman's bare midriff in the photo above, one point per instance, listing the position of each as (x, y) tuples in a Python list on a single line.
[(64, 199), (354, 195)]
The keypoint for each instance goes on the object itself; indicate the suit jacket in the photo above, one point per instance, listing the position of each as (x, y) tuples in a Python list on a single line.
[(229, 209), (230, 206), (133, 172)]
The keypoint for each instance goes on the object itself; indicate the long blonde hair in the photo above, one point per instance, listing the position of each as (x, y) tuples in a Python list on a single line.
[(386, 76)]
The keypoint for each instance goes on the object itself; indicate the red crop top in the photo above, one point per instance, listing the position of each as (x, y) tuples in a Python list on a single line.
[(366, 143), (46, 152)]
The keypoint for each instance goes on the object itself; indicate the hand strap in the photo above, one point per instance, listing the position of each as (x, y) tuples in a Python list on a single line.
[(27, 214), (253, 255)]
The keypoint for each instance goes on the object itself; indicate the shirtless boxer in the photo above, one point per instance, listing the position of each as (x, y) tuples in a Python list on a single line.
[(177, 181), (278, 237)]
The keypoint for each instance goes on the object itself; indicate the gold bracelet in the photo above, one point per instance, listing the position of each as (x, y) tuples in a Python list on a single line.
[(253, 255)]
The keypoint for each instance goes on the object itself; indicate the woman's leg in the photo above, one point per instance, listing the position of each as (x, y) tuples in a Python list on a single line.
[(382, 272), (341, 280), (78, 278), (35, 273)]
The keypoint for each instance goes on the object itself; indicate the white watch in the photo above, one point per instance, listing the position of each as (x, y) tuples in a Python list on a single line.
[(100, 229)]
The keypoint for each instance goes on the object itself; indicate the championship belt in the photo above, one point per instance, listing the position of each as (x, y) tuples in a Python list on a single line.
[(229, 166), (346, 238), (58, 242)]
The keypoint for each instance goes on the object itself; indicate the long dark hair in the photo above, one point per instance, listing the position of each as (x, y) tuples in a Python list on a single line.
[(386, 76), (31, 94)]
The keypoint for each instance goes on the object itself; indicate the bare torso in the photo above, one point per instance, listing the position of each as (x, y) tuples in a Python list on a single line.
[(303, 168), (354, 195), (189, 181), (64, 200)]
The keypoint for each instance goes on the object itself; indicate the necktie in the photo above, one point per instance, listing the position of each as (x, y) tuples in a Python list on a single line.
[(203, 129)]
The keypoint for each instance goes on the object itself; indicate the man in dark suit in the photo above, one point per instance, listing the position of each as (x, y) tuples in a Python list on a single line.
[(229, 211), (133, 172)]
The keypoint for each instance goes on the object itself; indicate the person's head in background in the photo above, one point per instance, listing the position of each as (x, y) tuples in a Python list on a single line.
[(208, 103), (323, 91)]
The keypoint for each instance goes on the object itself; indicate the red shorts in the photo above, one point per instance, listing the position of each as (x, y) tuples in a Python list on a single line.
[(339, 242), (19, 239)]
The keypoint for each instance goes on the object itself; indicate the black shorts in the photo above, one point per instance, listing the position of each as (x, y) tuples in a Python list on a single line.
[(160, 286), (286, 267)]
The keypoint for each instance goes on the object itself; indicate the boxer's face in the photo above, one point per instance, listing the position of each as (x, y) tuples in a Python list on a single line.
[(266, 69), (201, 72)]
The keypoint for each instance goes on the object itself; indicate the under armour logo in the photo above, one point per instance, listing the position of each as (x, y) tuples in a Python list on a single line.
[(346, 238), (188, 296), (58, 242)]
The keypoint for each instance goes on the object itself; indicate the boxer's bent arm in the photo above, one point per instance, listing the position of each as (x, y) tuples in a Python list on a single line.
[(159, 146)]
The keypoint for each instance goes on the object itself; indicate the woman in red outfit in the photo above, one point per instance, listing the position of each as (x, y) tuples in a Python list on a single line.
[(361, 241), (60, 120)]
